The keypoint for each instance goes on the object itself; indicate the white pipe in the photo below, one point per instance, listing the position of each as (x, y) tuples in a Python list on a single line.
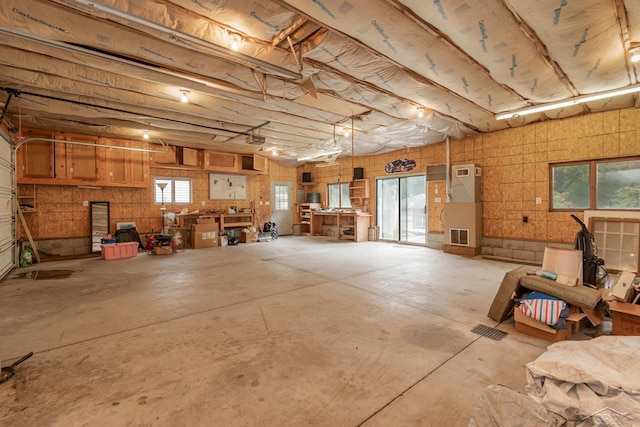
[(91, 144), (447, 160)]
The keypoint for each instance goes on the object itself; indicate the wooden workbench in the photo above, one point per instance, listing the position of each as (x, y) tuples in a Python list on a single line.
[(226, 220), (351, 225)]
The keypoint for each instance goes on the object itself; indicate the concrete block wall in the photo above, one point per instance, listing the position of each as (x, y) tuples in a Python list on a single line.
[(64, 247), (528, 252)]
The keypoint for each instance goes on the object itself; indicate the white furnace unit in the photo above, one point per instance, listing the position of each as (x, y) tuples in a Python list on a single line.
[(465, 183)]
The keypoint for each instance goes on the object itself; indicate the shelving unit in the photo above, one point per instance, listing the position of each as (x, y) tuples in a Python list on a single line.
[(304, 217), (351, 225), (28, 203), (358, 191)]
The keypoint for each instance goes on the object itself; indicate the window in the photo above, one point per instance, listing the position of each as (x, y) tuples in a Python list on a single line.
[(281, 193), (177, 191), (618, 242), (597, 184), (339, 196)]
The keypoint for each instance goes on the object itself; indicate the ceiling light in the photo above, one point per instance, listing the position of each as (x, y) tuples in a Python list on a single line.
[(274, 152), (570, 102), (236, 40), (635, 54), (184, 98), (420, 112), (145, 135), (346, 132)]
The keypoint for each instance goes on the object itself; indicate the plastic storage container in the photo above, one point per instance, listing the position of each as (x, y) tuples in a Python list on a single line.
[(119, 250)]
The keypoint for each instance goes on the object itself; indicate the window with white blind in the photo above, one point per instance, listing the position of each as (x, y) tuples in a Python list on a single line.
[(176, 191)]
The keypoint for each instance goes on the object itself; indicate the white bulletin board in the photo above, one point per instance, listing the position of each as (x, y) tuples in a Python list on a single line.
[(227, 187)]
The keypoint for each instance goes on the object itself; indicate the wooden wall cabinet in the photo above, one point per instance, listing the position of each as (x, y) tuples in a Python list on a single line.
[(63, 163), (128, 167), (218, 161), (189, 157), (82, 161), (253, 163), (159, 157), (36, 159)]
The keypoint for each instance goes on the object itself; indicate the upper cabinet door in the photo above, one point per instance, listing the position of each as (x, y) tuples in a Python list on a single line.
[(82, 162), (221, 162), (254, 163), (139, 165), (36, 158), (118, 165)]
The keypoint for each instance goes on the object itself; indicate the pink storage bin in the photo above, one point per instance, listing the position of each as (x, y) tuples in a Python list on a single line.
[(119, 250)]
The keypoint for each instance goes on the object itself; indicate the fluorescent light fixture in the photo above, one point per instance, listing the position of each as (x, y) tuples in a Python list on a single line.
[(570, 102), (90, 187), (635, 57)]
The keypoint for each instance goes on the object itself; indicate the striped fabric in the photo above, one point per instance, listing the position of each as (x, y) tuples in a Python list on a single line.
[(544, 308)]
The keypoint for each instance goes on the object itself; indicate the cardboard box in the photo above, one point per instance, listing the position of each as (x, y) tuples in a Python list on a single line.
[(204, 239), (206, 219), (162, 250), (625, 318), (535, 328), (249, 237), (622, 288), (204, 235), (205, 225), (503, 302), (563, 261)]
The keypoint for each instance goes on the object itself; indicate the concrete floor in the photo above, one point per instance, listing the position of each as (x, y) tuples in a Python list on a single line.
[(298, 331)]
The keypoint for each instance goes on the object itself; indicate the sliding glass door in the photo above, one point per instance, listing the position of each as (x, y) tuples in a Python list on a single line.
[(401, 209)]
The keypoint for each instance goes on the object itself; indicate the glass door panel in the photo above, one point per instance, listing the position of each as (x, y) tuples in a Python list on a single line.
[(412, 208), (388, 200), (401, 209)]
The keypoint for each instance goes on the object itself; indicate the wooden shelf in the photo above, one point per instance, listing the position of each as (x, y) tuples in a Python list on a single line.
[(358, 190), (28, 204), (304, 216)]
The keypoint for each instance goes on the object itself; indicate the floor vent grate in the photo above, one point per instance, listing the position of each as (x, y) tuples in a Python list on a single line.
[(488, 332)]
